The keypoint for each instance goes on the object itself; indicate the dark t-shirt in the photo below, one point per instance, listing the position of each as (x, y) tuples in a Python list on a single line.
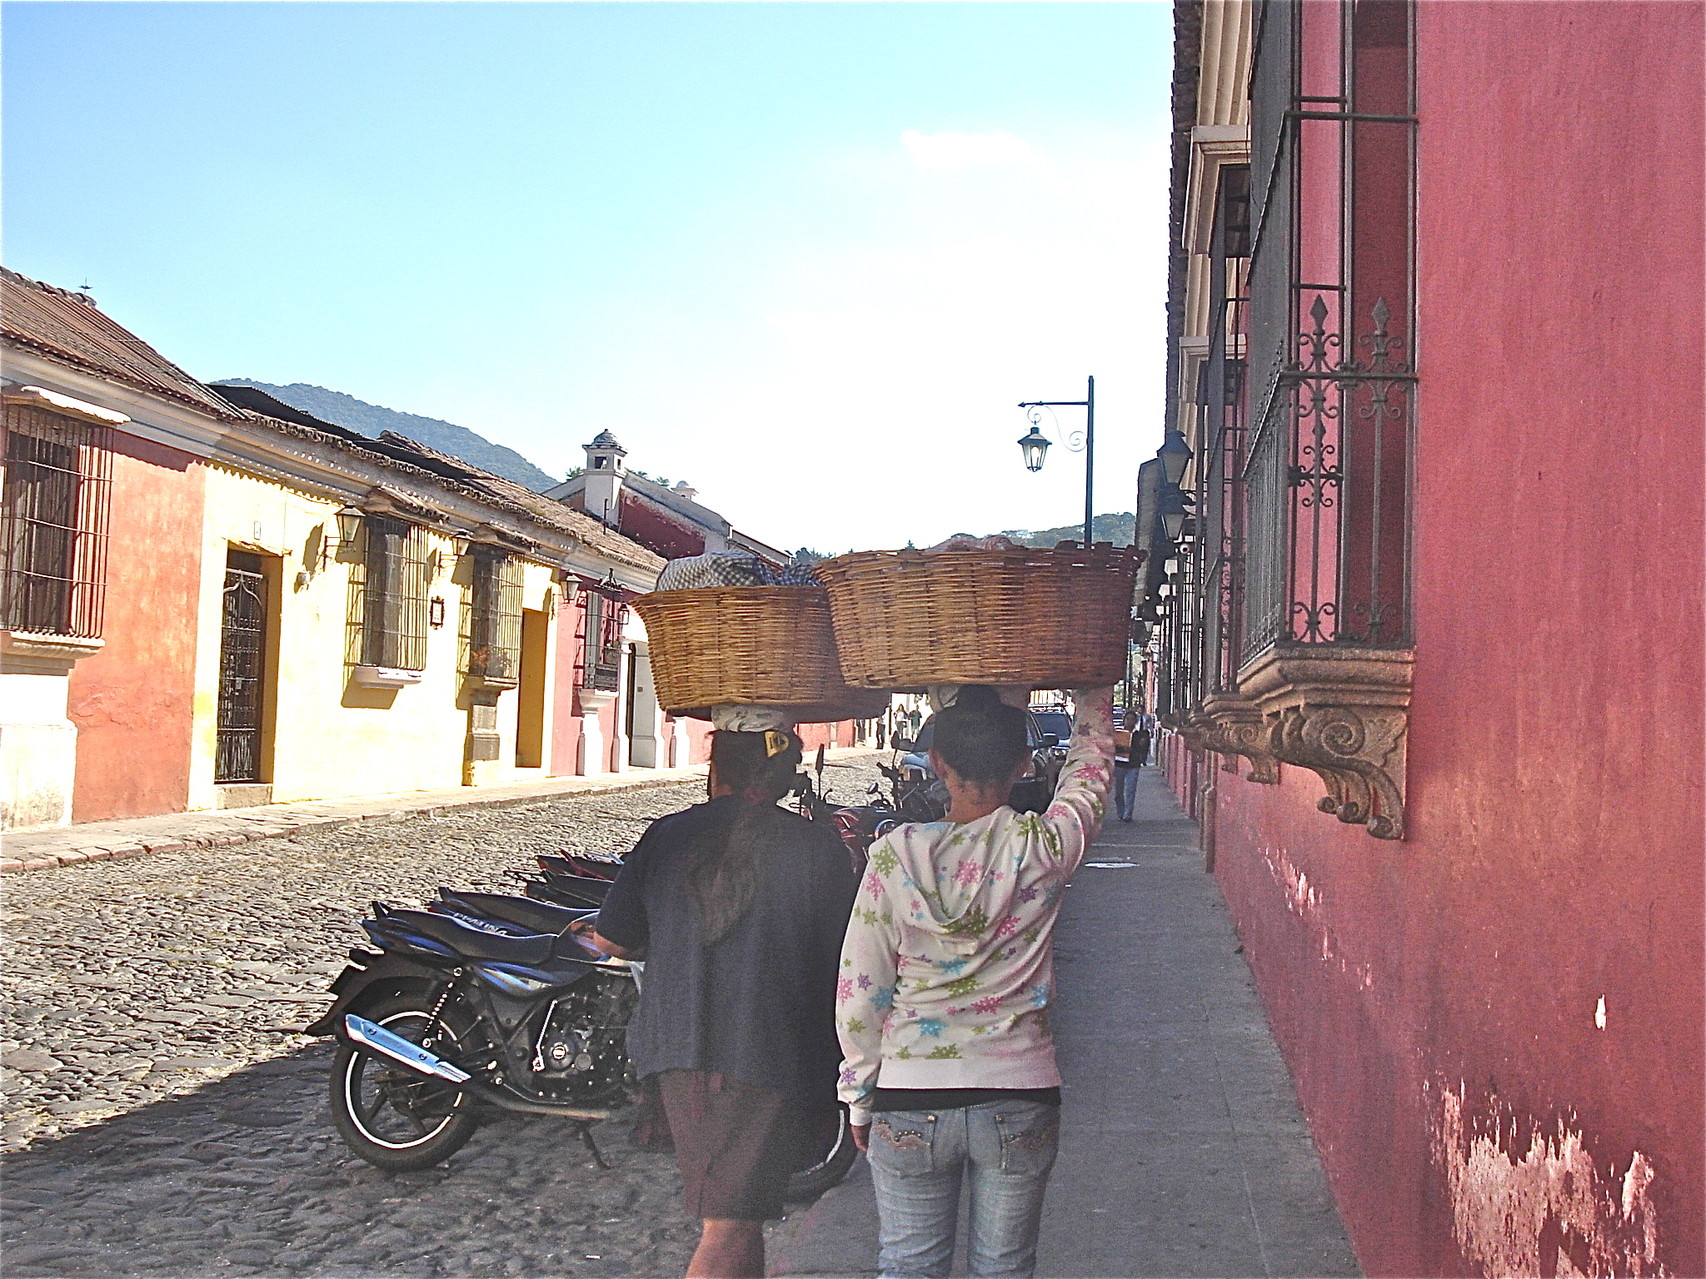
[(758, 1004)]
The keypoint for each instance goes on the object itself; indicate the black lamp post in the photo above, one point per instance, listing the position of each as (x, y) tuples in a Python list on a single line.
[(1035, 444)]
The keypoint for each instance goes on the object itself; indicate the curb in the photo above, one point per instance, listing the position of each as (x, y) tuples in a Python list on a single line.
[(290, 824), (227, 839)]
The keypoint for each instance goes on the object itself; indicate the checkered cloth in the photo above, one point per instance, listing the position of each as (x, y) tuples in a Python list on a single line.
[(730, 568)]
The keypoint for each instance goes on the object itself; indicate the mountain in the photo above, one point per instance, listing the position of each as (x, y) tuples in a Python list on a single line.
[(1118, 529), (371, 419)]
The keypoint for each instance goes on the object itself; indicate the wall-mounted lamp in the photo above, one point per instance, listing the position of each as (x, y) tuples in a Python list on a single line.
[(1175, 454), (1175, 506), (349, 524)]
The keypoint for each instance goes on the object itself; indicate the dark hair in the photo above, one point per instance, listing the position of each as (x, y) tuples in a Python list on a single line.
[(980, 737), (721, 874)]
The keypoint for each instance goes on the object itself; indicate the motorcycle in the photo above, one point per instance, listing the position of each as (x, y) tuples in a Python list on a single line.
[(487, 1002), (858, 825)]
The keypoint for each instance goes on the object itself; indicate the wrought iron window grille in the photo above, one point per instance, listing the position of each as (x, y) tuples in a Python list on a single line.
[(55, 510), (491, 618), (388, 586)]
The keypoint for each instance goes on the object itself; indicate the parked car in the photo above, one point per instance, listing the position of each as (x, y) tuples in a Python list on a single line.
[(1058, 722), (1031, 793)]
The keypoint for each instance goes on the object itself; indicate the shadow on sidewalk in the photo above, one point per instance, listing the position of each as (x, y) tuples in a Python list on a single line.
[(1183, 1151)]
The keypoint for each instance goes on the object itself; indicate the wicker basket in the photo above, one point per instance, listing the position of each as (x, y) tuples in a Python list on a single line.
[(1056, 618), (756, 645)]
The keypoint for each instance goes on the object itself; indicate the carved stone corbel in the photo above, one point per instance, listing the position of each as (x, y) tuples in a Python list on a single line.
[(1190, 730), (1343, 713), (1237, 729)]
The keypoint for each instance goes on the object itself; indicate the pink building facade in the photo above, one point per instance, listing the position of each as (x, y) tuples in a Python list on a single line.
[(1434, 683)]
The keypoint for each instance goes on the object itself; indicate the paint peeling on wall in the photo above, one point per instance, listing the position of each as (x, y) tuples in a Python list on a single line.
[(1304, 900), (1547, 1207)]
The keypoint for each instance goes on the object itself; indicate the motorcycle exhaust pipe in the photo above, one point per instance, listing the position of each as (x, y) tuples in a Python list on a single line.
[(394, 1048), (376, 1039)]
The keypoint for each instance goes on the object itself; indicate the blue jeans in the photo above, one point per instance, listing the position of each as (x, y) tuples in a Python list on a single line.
[(1002, 1150), (1125, 791)]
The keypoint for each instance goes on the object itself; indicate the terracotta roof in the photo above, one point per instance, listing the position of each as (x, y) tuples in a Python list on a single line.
[(400, 453), (523, 500), (69, 327)]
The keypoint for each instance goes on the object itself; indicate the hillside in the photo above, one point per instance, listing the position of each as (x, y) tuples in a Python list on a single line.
[(371, 419), (1118, 529)]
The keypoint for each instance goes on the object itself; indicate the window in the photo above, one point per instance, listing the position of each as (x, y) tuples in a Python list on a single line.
[(602, 639), (388, 596), (1326, 475), (491, 626), (53, 523)]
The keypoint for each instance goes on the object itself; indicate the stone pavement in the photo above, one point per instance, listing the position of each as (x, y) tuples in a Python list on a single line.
[(162, 1115), (1183, 1152), (173, 832)]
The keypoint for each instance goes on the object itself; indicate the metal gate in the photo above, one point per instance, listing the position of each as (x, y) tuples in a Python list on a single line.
[(242, 670)]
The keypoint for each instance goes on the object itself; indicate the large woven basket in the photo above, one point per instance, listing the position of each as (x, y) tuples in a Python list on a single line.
[(757, 645), (1056, 618)]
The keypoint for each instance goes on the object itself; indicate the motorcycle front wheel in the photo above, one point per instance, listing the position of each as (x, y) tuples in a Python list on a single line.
[(391, 1117)]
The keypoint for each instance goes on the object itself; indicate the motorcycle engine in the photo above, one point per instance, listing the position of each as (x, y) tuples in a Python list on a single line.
[(581, 1053)]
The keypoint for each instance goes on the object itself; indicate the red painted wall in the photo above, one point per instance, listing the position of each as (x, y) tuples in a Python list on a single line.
[(1438, 999), (133, 702)]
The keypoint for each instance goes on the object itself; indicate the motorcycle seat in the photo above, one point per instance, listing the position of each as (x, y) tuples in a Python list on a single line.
[(531, 916), (502, 944)]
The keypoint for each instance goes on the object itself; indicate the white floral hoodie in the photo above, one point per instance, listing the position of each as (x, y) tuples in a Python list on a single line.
[(948, 966)]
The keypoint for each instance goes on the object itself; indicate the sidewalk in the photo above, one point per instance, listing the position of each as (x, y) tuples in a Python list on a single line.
[(1183, 1152), (174, 832)]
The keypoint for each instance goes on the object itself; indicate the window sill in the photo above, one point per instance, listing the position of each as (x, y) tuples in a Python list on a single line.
[(1342, 712), (386, 677), (498, 682), (39, 653)]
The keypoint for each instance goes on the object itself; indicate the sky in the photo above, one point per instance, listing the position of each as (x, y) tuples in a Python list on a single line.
[(806, 256)]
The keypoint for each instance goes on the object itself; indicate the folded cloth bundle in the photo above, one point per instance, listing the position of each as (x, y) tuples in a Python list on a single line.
[(734, 717), (730, 568)]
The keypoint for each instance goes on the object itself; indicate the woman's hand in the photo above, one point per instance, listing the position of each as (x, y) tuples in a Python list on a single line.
[(862, 1136)]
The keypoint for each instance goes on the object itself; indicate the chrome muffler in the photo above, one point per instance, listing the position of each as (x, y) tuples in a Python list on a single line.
[(383, 1043)]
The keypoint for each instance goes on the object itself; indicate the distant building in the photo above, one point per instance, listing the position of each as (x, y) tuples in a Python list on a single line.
[(670, 522), (664, 519)]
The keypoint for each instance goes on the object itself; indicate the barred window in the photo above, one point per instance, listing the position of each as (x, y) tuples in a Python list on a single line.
[(54, 511), (1326, 474), (602, 641), (388, 596), (491, 617)]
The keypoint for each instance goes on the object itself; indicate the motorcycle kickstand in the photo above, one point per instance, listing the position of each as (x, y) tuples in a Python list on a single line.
[(585, 1130)]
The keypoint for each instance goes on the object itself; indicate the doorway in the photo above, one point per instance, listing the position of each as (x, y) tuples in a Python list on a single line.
[(530, 692), (243, 741)]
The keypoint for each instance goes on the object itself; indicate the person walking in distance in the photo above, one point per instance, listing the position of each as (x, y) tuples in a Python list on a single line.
[(944, 989), (738, 908), (1126, 764)]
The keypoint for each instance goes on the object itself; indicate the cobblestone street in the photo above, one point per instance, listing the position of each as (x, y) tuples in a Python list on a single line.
[(162, 1115)]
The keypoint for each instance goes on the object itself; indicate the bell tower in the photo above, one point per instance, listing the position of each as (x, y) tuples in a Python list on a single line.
[(603, 490)]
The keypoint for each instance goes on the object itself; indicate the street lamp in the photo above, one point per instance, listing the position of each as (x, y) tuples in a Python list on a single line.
[(1174, 454), (1035, 447), (1035, 444), (1175, 506)]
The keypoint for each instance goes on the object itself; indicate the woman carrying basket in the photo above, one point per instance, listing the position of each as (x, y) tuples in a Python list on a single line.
[(944, 988), (738, 908)]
